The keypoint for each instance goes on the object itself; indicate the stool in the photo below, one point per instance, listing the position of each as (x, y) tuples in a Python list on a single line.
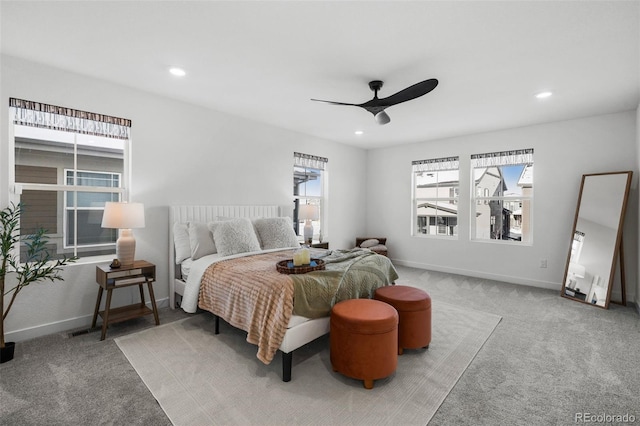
[(414, 312), (363, 339)]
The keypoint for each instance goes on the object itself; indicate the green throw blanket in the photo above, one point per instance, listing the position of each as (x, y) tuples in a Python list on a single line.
[(348, 274)]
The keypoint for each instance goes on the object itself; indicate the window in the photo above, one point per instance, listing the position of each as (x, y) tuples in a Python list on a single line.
[(309, 181), (576, 246), (502, 196), (67, 164), (435, 196), (87, 208)]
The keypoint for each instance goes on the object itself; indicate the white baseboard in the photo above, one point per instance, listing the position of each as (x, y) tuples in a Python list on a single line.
[(477, 274), (62, 326), (615, 295)]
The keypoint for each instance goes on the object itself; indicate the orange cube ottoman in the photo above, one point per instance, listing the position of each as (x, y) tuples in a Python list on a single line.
[(414, 311), (363, 339)]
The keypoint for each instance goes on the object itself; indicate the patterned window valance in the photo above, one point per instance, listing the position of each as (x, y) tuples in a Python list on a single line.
[(37, 114), (436, 164), (310, 161), (504, 158)]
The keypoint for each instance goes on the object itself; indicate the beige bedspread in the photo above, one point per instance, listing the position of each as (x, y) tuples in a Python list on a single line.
[(250, 294)]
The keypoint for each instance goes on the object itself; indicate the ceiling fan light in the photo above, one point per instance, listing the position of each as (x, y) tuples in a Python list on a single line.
[(382, 118)]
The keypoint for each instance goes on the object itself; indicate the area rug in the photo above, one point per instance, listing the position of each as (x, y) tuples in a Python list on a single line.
[(200, 378)]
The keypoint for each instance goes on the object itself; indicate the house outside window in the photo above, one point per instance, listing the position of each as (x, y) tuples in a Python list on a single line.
[(87, 208), (66, 165), (309, 183), (502, 197), (435, 186)]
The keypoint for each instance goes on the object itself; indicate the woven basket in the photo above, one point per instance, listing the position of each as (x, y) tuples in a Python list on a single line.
[(284, 268)]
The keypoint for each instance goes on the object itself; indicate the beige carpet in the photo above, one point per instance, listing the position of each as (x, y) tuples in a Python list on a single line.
[(203, 379)]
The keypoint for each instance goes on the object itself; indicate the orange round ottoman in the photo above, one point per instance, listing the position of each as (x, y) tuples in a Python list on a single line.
[(363, 339), (414, 311)]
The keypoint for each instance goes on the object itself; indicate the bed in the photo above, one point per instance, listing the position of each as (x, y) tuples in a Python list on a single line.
[(214, 280)]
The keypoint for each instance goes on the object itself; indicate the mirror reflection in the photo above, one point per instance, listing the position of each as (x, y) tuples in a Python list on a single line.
[(597, 235)]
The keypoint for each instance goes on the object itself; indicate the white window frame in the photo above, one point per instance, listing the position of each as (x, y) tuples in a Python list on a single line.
[(434, 165), (75, 208), (320, 227), (16, 188), (522, 157)]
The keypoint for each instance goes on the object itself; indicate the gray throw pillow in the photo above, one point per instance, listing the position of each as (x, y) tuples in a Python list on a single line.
[(235, 236), (276, 232)]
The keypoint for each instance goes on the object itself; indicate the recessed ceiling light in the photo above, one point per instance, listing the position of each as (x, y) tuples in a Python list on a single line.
[(358, 132), (543, 95), (178, 72)]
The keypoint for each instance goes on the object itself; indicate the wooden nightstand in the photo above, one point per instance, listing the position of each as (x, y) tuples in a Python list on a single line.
[(140, 273)]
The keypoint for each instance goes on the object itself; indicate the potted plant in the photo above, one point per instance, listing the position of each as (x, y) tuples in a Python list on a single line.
[(37, 266)]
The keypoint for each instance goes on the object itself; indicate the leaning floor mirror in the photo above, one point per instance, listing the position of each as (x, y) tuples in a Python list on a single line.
[(596, 240)]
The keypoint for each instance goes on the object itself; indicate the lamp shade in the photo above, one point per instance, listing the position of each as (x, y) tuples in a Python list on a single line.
[(309, 212), (123, 215)]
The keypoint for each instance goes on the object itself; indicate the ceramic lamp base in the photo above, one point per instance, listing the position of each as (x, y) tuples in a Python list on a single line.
[(308, 232), (126, 247)]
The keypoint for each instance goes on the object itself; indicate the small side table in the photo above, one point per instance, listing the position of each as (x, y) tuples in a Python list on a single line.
[(140, 273)]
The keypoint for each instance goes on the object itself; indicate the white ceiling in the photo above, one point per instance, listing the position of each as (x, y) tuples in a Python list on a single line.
[(265, 60)]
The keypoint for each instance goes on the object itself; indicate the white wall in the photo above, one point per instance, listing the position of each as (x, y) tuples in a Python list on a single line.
[(181, 154), (563, 152)]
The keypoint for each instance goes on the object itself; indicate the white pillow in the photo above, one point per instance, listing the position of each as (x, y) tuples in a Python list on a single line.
[(276, 232), (255, 230), (369, 243), (235, 236), (201, 240), (212, 228), (181, 242)]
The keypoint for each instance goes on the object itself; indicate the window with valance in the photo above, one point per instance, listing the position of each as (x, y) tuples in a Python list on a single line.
[(309, 183), (502, 195), (435, 187), (66, 163)]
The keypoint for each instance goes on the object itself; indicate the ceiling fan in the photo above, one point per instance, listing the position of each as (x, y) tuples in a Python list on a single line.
[(376, 106)]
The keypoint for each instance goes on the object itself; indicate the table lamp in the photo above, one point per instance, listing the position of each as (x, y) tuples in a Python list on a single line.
[(124, 216), (309, 212)]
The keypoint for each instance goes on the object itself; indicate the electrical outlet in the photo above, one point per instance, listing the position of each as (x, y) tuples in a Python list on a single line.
[(543, 263)]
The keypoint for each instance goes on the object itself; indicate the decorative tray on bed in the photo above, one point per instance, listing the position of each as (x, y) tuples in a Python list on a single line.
[(286, 266)]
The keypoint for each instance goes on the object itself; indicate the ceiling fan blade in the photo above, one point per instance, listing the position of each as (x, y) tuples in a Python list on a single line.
[(411, 92), (333, 102), (376, 106)]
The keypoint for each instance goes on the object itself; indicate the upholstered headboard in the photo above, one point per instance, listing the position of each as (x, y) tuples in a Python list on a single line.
[(196, 213), (187, 213)]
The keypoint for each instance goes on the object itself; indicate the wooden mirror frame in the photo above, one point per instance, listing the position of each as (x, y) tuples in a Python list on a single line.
[(617, 253)]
